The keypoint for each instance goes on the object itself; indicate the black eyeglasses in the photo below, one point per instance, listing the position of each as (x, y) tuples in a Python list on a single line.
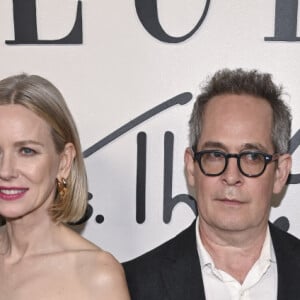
[(250, 163)]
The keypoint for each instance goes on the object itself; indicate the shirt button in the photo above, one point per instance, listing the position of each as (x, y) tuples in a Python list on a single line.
[(243, 295)]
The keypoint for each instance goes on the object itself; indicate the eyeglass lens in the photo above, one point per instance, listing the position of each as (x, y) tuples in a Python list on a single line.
[(215, 162)]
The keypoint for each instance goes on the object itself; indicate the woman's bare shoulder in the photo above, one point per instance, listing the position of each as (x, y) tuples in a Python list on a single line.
[(99, 269), (105, 275)]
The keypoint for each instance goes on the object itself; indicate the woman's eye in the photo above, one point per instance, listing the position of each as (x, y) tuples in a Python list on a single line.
[(27, 151)]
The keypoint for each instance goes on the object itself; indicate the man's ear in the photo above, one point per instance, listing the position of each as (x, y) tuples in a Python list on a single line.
[(66, 160), (282, 172), (189, 166)]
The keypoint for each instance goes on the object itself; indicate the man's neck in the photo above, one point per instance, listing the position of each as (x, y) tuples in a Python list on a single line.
[(233, 252)]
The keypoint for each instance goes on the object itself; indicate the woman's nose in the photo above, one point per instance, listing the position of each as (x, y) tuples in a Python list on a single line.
[(7, 167)]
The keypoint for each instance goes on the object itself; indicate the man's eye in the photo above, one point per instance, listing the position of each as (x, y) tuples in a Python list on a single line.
[(215, 155), (254, 156)]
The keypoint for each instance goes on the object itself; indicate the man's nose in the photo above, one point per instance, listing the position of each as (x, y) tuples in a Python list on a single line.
[(232, 175)]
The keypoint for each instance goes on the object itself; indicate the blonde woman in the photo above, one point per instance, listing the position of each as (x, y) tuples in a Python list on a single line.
[(43, 186)]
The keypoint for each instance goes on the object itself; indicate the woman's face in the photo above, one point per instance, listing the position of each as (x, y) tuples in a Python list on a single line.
[(29, 163)]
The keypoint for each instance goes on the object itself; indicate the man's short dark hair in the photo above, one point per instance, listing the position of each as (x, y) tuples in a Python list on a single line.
[(253, 83)]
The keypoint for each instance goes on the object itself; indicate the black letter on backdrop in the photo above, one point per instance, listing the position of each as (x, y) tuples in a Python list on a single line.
[(26, 27), (286, 12), (148, 15), (141, 178), (169, 202), (294, 144)]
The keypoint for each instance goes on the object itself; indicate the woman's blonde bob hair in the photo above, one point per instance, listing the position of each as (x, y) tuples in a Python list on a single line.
[(42, 98)]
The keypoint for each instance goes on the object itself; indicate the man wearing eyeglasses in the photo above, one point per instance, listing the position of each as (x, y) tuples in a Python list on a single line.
[(239, 134)]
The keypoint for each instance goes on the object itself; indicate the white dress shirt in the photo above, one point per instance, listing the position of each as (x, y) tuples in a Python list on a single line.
[(259, 284)]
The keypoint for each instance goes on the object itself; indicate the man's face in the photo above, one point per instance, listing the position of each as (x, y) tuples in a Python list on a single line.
[(232, 201)]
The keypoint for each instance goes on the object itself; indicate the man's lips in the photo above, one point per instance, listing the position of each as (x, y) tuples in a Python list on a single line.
[(12, 193), (230, 201)]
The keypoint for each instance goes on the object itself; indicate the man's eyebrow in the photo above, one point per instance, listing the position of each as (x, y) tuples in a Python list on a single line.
[(213, 144), (254, 146)]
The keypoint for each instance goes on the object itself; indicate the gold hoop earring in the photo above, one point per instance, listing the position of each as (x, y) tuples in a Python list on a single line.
[(62, 188)]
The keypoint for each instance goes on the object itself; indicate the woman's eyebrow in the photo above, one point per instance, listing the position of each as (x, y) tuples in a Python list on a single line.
[(28, 142)]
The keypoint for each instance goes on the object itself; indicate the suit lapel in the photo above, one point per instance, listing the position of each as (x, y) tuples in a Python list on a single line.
[(287, 250), (182, 277), (181, 271)]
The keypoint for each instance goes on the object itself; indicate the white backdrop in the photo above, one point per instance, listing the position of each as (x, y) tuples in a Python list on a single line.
[(120, 71)]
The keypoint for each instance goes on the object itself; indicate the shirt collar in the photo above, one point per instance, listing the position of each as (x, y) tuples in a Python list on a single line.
[(267, 252)]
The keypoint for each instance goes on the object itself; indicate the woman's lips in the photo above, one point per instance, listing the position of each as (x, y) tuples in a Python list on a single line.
[(12, 193)]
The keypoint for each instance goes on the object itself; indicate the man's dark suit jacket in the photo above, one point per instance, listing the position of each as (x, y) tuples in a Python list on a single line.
[(172, 271)]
